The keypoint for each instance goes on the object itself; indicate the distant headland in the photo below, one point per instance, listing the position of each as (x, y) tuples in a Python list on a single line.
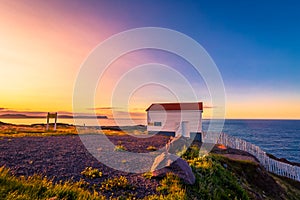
[(23, 116)]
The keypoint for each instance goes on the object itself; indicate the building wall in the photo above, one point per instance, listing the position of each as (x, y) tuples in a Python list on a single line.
[(170, 120)]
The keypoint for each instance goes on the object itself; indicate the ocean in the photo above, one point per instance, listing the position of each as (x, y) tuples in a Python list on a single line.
[(278, 137)]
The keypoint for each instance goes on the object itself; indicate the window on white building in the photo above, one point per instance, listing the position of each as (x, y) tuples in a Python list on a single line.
[(157, 123)]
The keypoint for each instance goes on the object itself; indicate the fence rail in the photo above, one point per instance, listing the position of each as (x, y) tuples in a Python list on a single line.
[(271, 165)]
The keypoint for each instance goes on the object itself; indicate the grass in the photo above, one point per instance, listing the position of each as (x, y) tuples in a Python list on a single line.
[(213, 179), (36, 187), (151, 148), (34, 130), (91, 173), (147, 175), (120, 148), (170, 184), (11, 130), (291, 187), (115, 183), (170, 188)]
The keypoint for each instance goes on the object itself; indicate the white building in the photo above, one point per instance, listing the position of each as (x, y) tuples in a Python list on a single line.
[(175, 119)]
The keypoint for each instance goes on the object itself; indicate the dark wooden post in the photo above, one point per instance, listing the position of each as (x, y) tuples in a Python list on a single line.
[(51, 115)]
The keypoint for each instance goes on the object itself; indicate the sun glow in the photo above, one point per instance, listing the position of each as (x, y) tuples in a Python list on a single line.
[(44, 43)]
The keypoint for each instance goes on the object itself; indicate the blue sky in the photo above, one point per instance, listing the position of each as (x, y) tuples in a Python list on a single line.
[(255, 45), (249, 41)]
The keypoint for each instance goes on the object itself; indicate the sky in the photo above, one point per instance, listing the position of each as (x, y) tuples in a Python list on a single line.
[(255, 45)]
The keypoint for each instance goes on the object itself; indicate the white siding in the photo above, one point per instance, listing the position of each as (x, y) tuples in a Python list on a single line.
[(185, 129), (171, 120)]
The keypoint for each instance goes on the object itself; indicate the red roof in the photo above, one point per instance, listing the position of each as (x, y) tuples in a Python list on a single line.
[(176, 106)]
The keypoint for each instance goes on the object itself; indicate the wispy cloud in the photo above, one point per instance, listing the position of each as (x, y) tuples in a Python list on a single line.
[(124, 114)]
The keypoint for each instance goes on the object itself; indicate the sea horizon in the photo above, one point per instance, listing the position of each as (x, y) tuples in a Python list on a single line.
[(110, 121)]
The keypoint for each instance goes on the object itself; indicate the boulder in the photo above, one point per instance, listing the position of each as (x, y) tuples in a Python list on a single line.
[(166, 163)]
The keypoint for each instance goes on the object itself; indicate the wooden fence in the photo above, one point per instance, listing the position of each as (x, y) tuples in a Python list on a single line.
[(271, 165)]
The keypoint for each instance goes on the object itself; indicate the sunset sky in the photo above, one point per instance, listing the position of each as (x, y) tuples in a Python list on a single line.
[(255, 45)]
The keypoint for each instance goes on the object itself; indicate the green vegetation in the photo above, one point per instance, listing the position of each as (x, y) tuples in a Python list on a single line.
[(35, 187), (120, 148), (11, 130), (91, 173), (151, 148), (193, 152), (171, 185), (147, 175), (39, 130), (170, 188), (291, 187), (181, 152), (217, 177), (213, 181), (115, 183)]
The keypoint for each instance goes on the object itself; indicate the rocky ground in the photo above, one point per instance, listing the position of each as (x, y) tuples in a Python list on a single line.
[(65, 157)]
